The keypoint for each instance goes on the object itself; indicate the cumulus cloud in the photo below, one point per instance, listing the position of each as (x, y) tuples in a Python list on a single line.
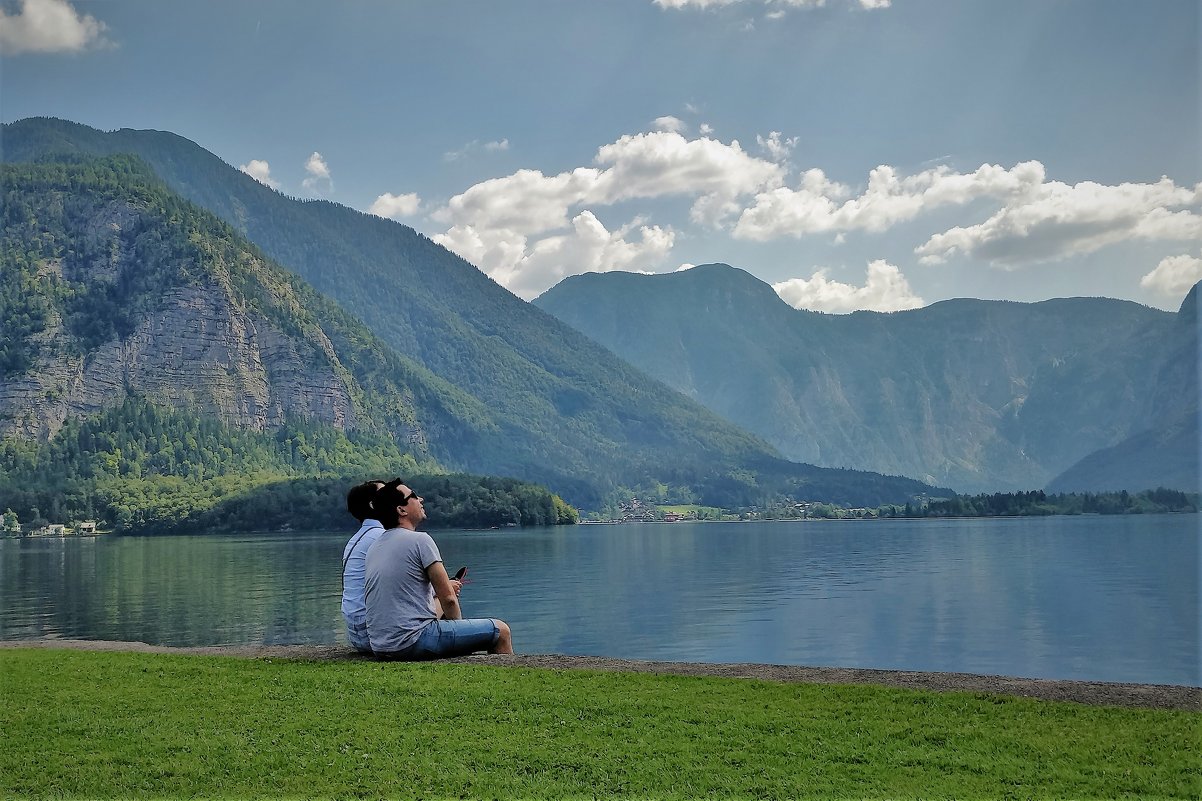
[(260, 170), (777, 148), (48, 26), (319, 174), (475, 146), (779, 5), (677, 4), (1174, 276), (706, 129), (395, 206), (1055, 220), (661, 164), (496, 223), (885, 290), (528, 268), (818, 204), (669, 123)]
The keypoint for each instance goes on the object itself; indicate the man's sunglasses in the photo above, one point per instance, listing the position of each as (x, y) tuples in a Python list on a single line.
[(404, 499)]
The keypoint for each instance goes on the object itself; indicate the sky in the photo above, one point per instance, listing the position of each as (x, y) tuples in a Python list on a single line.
[(855, 154)]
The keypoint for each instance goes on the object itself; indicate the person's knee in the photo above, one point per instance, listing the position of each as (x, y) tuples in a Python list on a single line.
[(504, 644)]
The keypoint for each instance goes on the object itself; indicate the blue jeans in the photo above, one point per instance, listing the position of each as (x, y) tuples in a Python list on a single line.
[(447, 638)]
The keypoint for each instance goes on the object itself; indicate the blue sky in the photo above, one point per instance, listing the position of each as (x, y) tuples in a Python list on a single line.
[(853, 153)]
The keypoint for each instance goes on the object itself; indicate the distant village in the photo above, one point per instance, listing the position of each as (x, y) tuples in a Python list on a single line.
[(637, 511), (10, 526)]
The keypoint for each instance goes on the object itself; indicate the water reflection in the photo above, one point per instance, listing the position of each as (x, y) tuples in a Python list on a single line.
[(1088, 598)]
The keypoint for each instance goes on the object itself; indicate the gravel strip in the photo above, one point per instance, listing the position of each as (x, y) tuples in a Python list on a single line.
[(1096, 693)]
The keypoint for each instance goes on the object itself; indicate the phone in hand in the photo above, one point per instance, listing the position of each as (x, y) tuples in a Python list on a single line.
[(460, 574)]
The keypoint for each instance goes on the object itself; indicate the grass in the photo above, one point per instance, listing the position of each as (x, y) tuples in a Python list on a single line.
[(108, 725)]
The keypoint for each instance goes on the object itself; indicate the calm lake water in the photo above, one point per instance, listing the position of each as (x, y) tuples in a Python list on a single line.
[(1102, 598)]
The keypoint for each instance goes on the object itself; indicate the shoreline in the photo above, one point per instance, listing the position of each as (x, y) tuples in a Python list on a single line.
[(1093, 693)]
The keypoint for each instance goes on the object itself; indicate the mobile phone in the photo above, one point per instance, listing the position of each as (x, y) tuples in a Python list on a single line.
[(460, 574)]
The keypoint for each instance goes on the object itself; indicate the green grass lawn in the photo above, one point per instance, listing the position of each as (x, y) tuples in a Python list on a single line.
[(107, 725)]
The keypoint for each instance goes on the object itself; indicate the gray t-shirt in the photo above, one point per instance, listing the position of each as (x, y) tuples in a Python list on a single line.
[(398, 591)]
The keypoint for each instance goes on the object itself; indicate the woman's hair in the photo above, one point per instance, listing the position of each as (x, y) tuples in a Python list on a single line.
[(359, 499), (386, 501)]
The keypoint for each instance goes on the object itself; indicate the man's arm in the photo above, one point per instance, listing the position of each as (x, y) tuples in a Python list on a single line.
[(445, 591)]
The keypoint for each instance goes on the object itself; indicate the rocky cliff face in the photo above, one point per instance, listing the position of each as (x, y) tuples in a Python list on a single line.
[(197, 344), (196, 351)]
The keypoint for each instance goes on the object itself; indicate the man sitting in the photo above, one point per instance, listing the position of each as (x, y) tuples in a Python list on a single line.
[(403, 568)]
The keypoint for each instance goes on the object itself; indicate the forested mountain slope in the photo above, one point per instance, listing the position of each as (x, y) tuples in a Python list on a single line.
[(492, 384), (977, 395)]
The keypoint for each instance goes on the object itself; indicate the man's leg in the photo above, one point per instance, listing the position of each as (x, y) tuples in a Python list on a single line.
[(505, 641)]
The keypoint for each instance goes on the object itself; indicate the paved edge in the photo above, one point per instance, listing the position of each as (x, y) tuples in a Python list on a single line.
[(1095, 693)]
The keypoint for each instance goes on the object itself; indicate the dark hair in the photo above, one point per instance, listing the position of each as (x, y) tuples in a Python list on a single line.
[(359, 499), (386, 501)]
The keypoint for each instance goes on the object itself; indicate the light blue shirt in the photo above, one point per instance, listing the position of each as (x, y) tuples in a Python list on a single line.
[(354, 573)]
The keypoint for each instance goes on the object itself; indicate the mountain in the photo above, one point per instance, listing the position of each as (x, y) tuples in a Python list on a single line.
[(1167, 453), (115, 288), (979, 395), (472, 377)]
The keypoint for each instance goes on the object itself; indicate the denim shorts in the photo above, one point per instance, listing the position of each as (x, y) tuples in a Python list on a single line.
[(447, 638)]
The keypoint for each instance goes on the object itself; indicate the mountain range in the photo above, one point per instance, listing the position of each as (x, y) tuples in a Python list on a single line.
[(137, 264), (1071, 394)]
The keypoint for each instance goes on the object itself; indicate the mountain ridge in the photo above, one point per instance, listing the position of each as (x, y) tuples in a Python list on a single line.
[(978, 395), (561, 410)]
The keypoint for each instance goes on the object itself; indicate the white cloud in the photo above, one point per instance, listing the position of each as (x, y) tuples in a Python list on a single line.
[(475, 146), (395, 206), (1054, 221), (885, 289), (588, 246), (787, 4), (669, 123), (526, 202), (1174, 276), (660, 164), (319, 172), (706, 129), (514, 227), (260, 170), (48, 26), (694, 3), (492, 218), (777, 148), (817, 204)]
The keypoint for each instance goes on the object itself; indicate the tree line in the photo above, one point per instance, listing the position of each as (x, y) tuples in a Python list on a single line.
[(1038, 502), (143, 468)]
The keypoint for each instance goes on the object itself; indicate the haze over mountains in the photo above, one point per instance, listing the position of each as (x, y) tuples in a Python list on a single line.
[(120, 288), (1074, 394)]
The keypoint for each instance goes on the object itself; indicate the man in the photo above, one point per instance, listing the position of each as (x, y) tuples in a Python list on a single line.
[(403, 567), (354, 562)]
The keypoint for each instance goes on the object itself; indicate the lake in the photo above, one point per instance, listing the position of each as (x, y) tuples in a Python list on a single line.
[(1097, 598)]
